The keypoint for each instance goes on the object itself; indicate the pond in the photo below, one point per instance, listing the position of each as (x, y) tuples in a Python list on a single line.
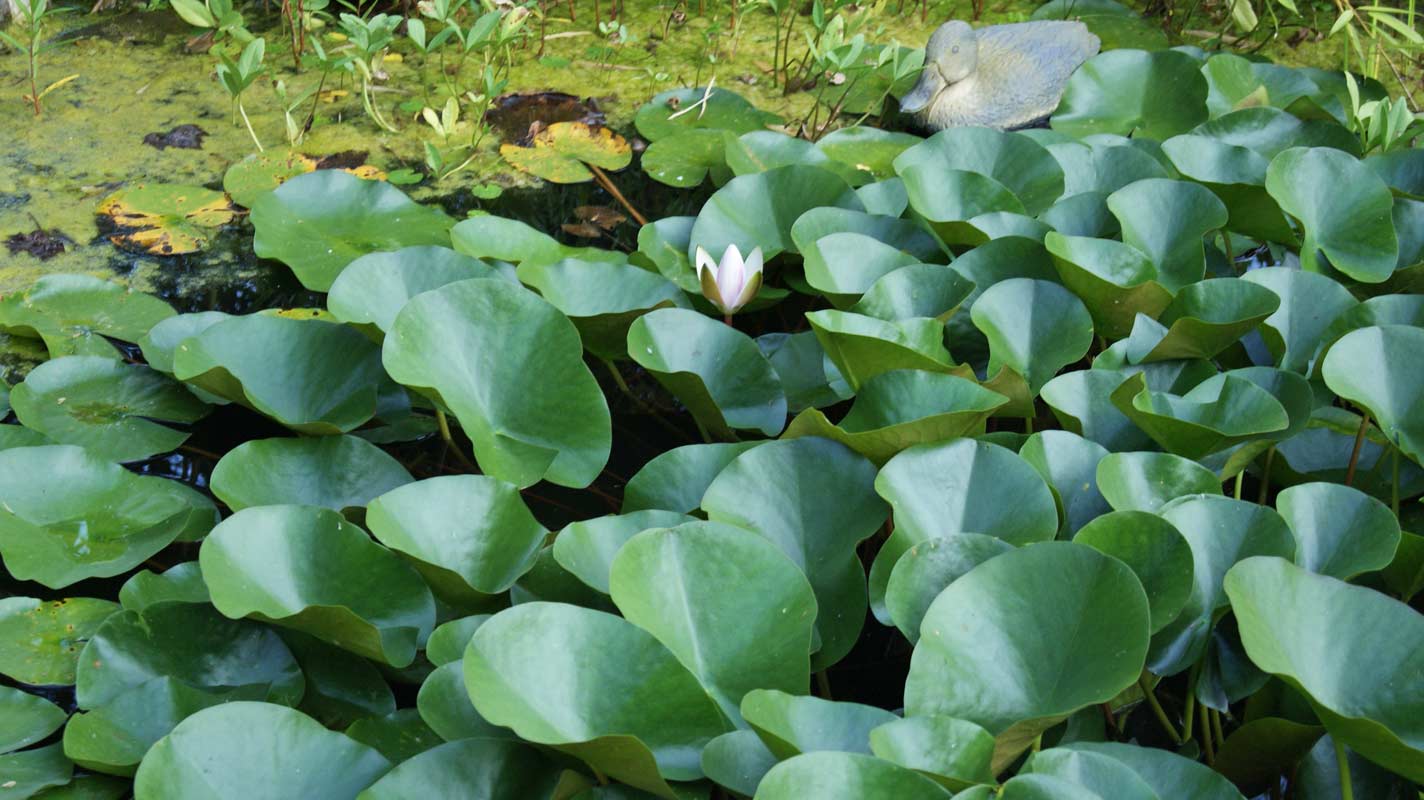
[(758, 398)]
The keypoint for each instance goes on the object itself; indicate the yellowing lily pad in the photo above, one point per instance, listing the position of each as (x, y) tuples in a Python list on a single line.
[(559, 153), (263, 172), (165, 219)]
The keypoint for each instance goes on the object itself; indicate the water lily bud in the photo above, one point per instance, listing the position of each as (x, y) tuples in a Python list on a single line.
[(731, 284)]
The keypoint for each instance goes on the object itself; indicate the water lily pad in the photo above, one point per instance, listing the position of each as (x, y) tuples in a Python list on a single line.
[(27, 719), (215, 753), (1218, 413), (673, 583), (1368, 366), (560, 152), (373, 288), (927, 568), (863, 347), (815, 499), (953, 752), (587, 548), (676, 479), (738, 760), (319, 222), (180, 583), (1020, 164), (43, 638), (1309, 304), (478, 769), (69, 515), (1287, 616), (1148, 481), (668, 113), (335, 472), (488, 236), (444, 705), (399, 736), (260, 173), (555, 427), (602, 298), (635, 713), (74, 314), (1166, 772), (1166, 220), (1201, 321), (685, 158), (1351, 225), (758, 210), (1339, 530), (448, 641), (1154, 550), (1033, 634), (903, 408), (919, 290), (340, 689), (1155, 94), (867, 149), (947, 201), (1115, 281), (165, 219), (1034, 328), (845, 776), (334, 582), (468, 535), (29, 772), (759, 151), (716, 370), (112, 409)]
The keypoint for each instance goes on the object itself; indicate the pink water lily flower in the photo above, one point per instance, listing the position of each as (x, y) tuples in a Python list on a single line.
[(731, 284)]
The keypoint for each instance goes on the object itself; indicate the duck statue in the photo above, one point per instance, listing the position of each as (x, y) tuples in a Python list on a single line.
[(1001, 76)]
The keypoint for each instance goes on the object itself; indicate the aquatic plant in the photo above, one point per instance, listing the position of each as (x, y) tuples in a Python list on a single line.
[(237, 75), (33, 16)]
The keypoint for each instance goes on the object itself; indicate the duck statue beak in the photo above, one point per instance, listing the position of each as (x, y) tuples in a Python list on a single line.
[(918, 98)]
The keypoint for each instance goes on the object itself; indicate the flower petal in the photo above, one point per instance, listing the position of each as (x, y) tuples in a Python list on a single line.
[(705, 260), (732, 274)]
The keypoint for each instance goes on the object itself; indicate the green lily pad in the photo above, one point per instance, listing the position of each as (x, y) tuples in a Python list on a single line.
[(1164, 771), (371, 290), (815, 499), (845, 776), (676, 479), (319, 222), (69, 515), (867, 149), (1156, 94), (602, 298), (180, 583), (844, 265), (672, 583), (1339, 531), (1351, 224), (587, 549), (903, 408), (1166, 220), (901, 234), (27, 718), (524, 432), (807, 375), (444, 705), (43, 638), (1098, 774), (716, 370), (953, 752), (1237, 176), (1309, 304), (1148, 481), (215, 753), (758, 210), (792, 724), (1020, 164), (919, 290), (29, 772), (927, 569), (1369, 366), (477, 769), (562, 152), (110, 408), (307, 374), (738, 761), (340, 689), (335, 472), (863, 347), (1034, 634), (468, 535), (1034, 328), (399, 736), (491, 237), (74, 314), (1069, 463), (759, 151), (334, 582), (1218, 413), (634, 712), (165, 219), (1287, 616), (685, 158), (1154, 550), (667, 113), (960, 486), (947, 201), (1201, 321), (1115, 281), (448, 641)]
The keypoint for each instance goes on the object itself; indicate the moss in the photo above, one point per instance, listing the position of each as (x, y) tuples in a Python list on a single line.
[(135, 78)]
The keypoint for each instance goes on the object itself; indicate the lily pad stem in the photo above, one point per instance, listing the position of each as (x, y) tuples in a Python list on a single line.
[(1206, 736), (1266, 476), (1359, 444), (444, 425), (824, 684), (617, 195), (1240, 479), (1342, 764), (1394, 484), (727, 318), (1216, 729), (1157, 710), (1189, 711)]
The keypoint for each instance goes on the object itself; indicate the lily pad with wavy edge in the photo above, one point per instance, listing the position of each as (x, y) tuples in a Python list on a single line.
[(340, 690), (399, 736), (1221, 531), (815, 499), (927, 569), (919, 290), (673, 583), (474, 768), (444, 706), (322, 221), (901, 234), (1309, 304), (845, 776), (863, 347), (1369, 366), (43, 637), (1351, 224), (1034, 328), (165, 219), (563, 151), (180, 583), (758, 210), (1155, 551), (373, 288), (1133, 93), (1034, 634), (1092, 774), (215, 753), (335, 472), (1203, 319), (791, 724), (945, 488), (1166, 220), (1020, 164), (1217, 414), (676, 479), (602, 298), (27, 719), (1237, 176), (807, 375), (759, 151), (1164, 771), (74, 314), (468, 535), (953, 752), (1147, 481), (587, 548), (635, 713), (448, 641), (1339, 531), (112, 409), (947, 201), (262, 562), (1286, 616), (1389, 309), (903, 408), (1114, 280), (1069, 463), (307, 374), (844, 265), (69, 515), (556, 428), (714, 369)]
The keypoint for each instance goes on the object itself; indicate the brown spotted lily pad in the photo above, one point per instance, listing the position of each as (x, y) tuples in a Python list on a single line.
[(559, 153), (165, 219), (263, 172)]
